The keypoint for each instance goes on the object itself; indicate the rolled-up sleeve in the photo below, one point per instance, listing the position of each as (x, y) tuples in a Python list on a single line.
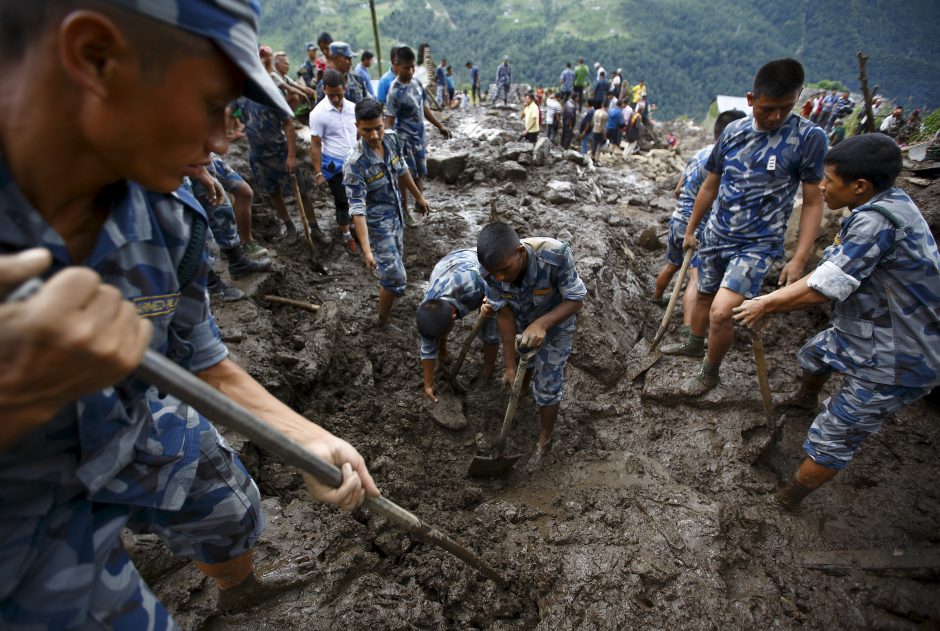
[(863, 241), (570, 285), (493, 295), (194, 339)]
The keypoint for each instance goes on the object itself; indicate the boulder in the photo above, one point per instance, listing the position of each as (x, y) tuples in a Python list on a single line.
[(574, 156), (560, 192), (447, 164), (649, 240), (511, 170), (542, 152), (663, 203), (512, 150)]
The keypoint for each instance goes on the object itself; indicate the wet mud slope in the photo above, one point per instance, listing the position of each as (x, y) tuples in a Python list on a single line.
[(649, 512)]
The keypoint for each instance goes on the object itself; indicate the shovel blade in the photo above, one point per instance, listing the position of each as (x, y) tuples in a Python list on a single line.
[(448, 411), (492, 466), (641, 359)]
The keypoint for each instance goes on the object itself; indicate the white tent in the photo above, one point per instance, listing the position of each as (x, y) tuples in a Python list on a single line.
[(726, 103)]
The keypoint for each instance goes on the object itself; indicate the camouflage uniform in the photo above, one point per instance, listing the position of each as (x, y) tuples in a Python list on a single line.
[(405, 101), (760, 173), (456, 280), (126, 455), (550, 277), (503, 81), (267, 148), (221, 216), (355, 88), (372, 189), (883, 275), (692, 179)]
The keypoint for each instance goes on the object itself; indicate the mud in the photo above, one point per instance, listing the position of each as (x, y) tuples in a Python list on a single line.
[(649, 511)]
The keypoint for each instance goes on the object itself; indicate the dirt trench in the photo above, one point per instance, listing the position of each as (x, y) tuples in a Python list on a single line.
[(649, 512)]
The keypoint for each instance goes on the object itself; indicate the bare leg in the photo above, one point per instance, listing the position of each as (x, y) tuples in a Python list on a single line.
[(490, 351), (688, 299), (662, 280), (809, 477), (280, 208), (700, 310), (242, 206), (721, 326), (547, 417), (386, 298)]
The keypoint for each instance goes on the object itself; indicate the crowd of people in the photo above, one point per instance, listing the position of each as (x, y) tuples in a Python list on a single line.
[(86, 449)]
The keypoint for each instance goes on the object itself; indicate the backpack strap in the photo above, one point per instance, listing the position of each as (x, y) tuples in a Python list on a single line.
[(192, 257)]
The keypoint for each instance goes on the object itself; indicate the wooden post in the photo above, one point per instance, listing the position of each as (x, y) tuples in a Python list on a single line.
[(375, 33), (863, 79)]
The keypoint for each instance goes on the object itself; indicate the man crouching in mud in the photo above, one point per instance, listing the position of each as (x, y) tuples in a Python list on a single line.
[(106, 106), (534, 287)]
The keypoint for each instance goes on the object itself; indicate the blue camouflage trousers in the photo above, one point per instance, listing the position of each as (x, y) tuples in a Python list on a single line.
[(740, 268), (548, 366), (852, 414), (221, 218), (674, 241), (78, 575), (415, 156), (271, 177), (386, 236)]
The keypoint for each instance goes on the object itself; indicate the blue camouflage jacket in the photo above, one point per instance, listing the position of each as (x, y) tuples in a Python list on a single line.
[(692, 179), (456, 280), (760, 173), (405, 101), (550, 277), (264, 128), (883, 272), (372, 183)]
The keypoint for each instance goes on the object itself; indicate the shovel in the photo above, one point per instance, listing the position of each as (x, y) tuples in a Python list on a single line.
[(757, 341), (448, 410), (172, 379), (500, 464), (642, 359), (306, 224)]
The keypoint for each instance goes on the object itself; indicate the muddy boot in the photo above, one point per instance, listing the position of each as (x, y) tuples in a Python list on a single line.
[(240, 265), (789, 497), (699, 384), (218, 289), (684, 332), (693, 346), (662, 301), (289, 233), (807, 397), (254, 251), (267, 583), (410, 220)]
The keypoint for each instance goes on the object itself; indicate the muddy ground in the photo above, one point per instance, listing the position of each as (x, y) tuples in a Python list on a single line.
[(650, 512)]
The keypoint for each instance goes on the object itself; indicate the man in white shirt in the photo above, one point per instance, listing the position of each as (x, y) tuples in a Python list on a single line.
[(332, 136)]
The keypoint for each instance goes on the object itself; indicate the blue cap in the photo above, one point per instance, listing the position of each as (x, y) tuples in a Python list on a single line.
[(232, 25), (311, 46), (341, 48)]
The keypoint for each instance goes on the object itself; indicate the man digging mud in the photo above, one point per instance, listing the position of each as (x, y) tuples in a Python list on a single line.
[(455, 289), (145, 86), (534, 288), (882, 274)]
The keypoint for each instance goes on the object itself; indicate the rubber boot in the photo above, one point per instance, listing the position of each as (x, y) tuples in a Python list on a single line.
[(790, 497), (240, 265), (692, 346), (807, 397), (699, 384)]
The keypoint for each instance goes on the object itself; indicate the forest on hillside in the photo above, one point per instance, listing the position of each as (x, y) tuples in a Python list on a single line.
[(686, 50)]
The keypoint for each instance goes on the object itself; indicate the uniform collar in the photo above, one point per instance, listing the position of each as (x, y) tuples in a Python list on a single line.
[(22, 227)]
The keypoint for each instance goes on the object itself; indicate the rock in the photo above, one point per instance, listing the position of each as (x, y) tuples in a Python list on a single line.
[(513, 171), (447, 164), (573, 156), (649, 240), (663, 203), (612, 198), (513, 150), (636, 201), (560, 192), (542, 152), (508, 189)]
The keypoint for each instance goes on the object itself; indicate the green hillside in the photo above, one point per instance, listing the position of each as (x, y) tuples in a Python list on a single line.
[(687, 50)]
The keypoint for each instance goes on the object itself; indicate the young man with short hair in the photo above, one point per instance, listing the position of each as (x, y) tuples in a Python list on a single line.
[(341, 59), (566, 83), (754, 171), (455, 290), (598, 128), (362, 70), (474, 83), (534, 288), (530, 117), (386, 81), (581, 81), (405, 112), (882, 276), (503, 80), (87, 452), (332, 137), (686, 190), (374, 174)]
